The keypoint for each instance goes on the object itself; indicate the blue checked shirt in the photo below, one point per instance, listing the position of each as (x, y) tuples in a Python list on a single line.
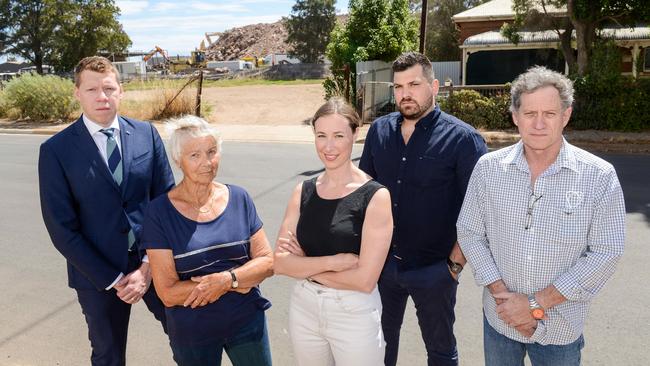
[(568, 230)]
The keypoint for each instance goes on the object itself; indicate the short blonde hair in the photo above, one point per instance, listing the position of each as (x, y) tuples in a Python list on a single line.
[(181, 129)]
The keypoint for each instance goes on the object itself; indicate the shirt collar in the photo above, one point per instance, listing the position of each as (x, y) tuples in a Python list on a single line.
[(567, 156), (565, 159), (425, 122), (94, 127)]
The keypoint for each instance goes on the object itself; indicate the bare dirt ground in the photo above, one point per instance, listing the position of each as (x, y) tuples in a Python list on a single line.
[(294, 105), (256, 104), (269, 105)]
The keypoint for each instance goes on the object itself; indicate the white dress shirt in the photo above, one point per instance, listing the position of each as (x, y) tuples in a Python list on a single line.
[(567, 230), (100, 138)]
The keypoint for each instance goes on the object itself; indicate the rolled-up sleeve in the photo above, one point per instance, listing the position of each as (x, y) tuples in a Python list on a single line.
[(472, 233), (606, 241)]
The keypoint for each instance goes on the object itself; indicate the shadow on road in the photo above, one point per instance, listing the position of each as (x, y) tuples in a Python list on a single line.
[(634, 174)]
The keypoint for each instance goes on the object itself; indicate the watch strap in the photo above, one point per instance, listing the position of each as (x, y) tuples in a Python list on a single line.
[(456, 268), (235, 283)]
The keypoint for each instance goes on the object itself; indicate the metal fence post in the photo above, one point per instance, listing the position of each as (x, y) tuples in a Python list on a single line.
[(199, 89)]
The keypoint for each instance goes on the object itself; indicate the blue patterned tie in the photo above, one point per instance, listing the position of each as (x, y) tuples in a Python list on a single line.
[(115, 165), (113, 155)]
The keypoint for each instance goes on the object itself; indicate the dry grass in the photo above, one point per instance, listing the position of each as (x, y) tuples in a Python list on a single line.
[(163, 101)]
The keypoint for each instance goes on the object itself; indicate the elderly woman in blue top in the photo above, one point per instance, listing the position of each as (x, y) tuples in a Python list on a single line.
[(208, 252)]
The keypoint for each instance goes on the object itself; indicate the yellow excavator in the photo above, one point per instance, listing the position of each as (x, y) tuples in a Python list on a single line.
[(162, 53), (174, 65), (196, 61)]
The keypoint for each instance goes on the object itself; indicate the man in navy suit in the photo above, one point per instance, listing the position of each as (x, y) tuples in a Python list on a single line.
[(96, 178)]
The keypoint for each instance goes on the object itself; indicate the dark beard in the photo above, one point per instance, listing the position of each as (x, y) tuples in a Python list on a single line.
[(418, 112)]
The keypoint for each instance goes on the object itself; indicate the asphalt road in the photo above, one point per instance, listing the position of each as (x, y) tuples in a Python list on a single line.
[(41, 321)]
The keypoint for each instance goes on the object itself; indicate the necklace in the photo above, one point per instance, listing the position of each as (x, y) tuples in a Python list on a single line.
[(203, 210), (208, 202)]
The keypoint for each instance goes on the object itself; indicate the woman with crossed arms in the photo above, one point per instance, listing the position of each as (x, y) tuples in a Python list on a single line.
[(343, 225)]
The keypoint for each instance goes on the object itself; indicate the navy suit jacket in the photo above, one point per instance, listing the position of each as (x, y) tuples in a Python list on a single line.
[(86, 213)]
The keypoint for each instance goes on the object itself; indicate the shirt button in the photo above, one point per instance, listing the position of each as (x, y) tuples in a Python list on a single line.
[(403, 158), (399, 181), (395, 204)]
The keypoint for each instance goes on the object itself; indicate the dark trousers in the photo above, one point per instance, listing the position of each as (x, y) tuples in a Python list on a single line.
[(108, 320), (433, 291), (248, 347)]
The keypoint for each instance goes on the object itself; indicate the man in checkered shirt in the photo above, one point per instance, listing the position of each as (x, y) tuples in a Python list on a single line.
[(543, 226)]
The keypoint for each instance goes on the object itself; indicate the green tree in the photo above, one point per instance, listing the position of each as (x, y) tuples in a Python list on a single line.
[(28, 29), (376, 30), (442, 36), (309, 28), (586, 17), (60, 32), (88, 26)]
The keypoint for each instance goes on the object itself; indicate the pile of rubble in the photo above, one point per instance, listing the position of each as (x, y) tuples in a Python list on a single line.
[(257, 40)]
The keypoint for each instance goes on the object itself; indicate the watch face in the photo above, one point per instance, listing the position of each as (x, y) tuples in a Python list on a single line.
[(538, 314)]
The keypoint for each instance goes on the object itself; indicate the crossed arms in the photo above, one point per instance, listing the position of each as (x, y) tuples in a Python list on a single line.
[(344, 271)]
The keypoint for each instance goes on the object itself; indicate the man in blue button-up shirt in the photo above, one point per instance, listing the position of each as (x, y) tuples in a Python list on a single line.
[(425, 158)]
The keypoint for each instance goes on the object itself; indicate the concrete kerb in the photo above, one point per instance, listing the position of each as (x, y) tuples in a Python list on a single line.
[(591, 140)]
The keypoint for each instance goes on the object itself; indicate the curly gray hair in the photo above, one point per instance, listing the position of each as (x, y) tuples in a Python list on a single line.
[(538, 77), (181, 129)]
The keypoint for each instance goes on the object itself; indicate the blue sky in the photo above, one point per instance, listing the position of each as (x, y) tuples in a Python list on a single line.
[(179, 26)]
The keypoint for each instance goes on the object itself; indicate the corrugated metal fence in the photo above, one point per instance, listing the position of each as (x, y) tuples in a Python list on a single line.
[(449, 70), (375, 85), (374, 89)]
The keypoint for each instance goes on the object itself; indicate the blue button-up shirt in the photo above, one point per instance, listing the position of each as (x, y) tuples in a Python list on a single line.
[(427, 179)]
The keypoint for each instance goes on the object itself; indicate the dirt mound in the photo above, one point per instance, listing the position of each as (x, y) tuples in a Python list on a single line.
[(256, 40)]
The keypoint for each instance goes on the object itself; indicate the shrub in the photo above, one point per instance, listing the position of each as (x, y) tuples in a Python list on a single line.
[(618, 104), (607, 100), (40, 97), (479, 111), (3, 105)]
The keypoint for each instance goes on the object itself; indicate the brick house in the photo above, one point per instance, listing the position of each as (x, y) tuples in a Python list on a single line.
[(490, 58)]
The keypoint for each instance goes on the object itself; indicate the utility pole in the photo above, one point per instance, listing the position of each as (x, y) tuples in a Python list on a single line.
[(423, 25)]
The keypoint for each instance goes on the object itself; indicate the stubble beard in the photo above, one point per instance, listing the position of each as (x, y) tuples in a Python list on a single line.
[(418, 110)]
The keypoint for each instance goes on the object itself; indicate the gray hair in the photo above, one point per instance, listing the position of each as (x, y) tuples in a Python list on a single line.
[(181, 129), (538, 77)]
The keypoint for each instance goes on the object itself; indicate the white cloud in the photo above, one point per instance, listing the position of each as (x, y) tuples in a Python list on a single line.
[(165, 6), (291, 2), (131, 7), (187, 31), (208, 6), (206, 23), (179, 26)]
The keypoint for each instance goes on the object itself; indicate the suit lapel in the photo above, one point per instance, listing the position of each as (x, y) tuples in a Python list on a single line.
[(126, 137), (88, 148)]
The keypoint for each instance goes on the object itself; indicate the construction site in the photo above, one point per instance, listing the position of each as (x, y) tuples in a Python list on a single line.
[(243, 51)]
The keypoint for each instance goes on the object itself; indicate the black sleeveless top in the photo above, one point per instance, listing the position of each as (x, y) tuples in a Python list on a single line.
[(332, 226)]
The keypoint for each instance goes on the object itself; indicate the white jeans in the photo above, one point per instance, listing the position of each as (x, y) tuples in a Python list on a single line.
[(335, 327)]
